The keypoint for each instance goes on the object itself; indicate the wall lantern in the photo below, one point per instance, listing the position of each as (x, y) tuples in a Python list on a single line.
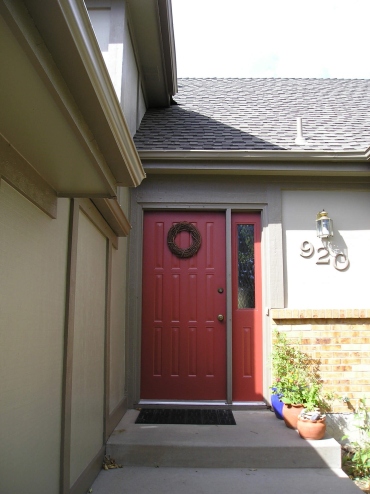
[(324, 225)]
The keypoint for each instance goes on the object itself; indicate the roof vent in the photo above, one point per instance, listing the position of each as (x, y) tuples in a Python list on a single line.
[(300, 140)]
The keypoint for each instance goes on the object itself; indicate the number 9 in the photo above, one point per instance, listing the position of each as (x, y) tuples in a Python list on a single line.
[(307, 249)]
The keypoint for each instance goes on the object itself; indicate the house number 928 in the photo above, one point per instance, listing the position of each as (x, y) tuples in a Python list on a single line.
[(340, 260)]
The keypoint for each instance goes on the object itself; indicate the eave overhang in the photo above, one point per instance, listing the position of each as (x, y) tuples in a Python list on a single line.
[(59, 108), (152, 28), (325, 163)]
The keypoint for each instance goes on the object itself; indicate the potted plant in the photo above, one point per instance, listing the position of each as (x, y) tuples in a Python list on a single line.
[(276, 403), (281, 367), (311, 423), (294, 401), (295, 379)]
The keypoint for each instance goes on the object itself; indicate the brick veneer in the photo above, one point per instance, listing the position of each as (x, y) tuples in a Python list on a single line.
[(340, 339)]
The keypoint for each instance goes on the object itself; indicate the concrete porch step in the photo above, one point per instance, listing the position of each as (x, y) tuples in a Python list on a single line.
[(162, 480), (259, 440)]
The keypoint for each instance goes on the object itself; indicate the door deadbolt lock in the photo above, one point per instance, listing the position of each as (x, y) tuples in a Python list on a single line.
[(220, 290), (220, 317)]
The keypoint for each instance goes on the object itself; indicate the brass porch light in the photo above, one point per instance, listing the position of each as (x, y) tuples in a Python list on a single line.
[(324, 225)]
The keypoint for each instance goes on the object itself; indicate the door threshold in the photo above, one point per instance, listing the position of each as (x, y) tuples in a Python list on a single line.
[(238, 405)]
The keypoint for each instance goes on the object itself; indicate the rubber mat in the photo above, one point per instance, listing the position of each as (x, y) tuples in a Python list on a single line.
[(185, 416)]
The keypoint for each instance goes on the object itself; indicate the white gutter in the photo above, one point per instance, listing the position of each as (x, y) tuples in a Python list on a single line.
[(246, 155), (330, 163)]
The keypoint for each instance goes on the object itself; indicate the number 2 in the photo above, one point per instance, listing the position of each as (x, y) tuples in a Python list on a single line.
[(323, 258)]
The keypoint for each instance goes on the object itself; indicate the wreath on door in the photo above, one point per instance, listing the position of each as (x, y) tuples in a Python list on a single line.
[(184, 226)]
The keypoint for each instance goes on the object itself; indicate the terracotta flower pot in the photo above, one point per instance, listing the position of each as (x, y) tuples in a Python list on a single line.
[(290, 415), (311, 429)]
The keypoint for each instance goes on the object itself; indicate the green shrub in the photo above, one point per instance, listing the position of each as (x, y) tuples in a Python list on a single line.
[(296, 375), (356, 462)]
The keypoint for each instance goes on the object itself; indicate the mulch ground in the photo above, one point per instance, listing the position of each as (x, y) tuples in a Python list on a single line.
[(364, 485)]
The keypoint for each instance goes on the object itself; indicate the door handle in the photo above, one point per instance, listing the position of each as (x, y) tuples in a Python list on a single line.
[(220, 317)]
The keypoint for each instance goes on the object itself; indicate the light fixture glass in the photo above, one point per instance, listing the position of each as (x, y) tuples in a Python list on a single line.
[(324, 225)]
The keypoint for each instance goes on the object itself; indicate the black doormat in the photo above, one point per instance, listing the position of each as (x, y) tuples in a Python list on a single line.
[(185, 416)]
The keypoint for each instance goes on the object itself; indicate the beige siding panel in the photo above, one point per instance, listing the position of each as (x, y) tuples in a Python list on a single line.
[(117, 327), (88, 347), (33, 257)]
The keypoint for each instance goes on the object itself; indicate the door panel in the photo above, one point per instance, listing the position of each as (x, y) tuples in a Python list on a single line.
[(183, 342), (247, 305)]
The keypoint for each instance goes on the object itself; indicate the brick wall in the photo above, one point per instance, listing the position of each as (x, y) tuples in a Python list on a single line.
[(340, 339)]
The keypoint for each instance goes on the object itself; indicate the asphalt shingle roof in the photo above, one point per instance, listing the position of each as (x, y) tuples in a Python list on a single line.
[(260, 114)]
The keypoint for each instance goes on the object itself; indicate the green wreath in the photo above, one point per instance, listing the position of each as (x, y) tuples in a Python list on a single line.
[(184, 226)]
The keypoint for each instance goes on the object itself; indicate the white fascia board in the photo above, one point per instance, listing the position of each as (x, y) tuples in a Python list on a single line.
[(79, 25)]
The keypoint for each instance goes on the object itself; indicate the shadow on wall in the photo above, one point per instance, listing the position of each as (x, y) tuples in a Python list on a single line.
[(178, 129), (342, 424), (338, 247)]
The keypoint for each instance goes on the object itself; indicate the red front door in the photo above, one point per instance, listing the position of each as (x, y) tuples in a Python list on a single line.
[(183, 353)]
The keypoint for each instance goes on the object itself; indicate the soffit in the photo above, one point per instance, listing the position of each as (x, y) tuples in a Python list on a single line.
[(55, 120)]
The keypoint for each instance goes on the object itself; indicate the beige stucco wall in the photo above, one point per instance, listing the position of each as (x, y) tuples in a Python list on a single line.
[(33, 258), (310, 285)]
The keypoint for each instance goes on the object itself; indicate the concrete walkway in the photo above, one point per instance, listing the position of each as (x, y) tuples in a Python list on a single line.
[(145, 480), (258, 455)]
